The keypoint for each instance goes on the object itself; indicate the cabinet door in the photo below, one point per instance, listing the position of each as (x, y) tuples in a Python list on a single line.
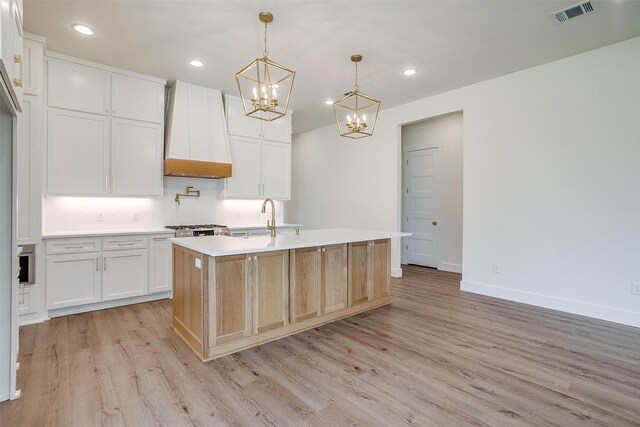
[(160, 264), (270, 277), (304, 283), (138, 99), (246, 160), (358, 273), (124, 274), (136, 158), (17, 45), (77, 153), (238, 123), (276, 170), (232, 299), (381, 253), (73, 280), (334, 278), (32, 60), (278, 129), (28, 170), (77, 87)]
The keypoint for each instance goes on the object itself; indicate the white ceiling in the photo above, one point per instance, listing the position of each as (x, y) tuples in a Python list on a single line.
[(451, 43)]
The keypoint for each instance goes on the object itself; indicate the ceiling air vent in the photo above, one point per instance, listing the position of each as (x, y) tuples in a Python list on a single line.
[(573, 12)]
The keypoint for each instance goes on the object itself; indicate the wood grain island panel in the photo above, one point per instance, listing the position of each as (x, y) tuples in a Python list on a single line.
[(225, 304)]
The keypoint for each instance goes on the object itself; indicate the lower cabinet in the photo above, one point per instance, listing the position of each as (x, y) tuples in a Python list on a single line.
[(270, 279), (160, 264), (334, 278), (304, 283), (73, 279), (369, 271), (89, 270), (124, 274), (228, 303), (232, 298)]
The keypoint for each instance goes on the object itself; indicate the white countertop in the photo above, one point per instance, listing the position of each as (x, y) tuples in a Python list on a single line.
[(226, 245), (261, 226), (98, 233)]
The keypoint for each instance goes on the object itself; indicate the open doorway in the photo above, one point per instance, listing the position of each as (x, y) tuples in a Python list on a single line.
[(432, 192)]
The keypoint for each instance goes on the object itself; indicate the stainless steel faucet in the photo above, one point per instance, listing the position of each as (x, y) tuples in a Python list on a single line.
[(271, 225)]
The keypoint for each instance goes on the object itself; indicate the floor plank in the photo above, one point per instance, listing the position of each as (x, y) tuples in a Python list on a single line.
[(436, 356)]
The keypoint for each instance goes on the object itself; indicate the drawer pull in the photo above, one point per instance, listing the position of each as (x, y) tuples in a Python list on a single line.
[(74, 246), (126, 243), (157, 239)]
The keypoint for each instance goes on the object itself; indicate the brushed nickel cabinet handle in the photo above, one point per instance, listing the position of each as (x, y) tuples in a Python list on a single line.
[(104, 263), (97, 268)]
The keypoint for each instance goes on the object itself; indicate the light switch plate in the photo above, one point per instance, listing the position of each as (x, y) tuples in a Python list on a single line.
[(198, 263)]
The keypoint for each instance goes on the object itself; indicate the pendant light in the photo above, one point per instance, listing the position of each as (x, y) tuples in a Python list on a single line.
[(356, 113), (264, 84)]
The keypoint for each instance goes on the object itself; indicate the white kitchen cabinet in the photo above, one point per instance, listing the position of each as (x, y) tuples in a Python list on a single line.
[(77, 153), (276, 170), (136, 158), (238, 123), (137, 99), (260, 155), (11, 66), (106, 130), (124, 274), (246, 179), (160, 264), (78, 87), (32, 63), (73, 279)]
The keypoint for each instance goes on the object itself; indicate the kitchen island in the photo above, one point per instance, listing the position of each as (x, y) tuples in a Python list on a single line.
[(233, 293)]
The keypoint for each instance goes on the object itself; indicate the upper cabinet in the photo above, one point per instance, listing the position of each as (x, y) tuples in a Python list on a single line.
[(260, 154), (137, 99), (77, 87), (105, 130), (11, 59)]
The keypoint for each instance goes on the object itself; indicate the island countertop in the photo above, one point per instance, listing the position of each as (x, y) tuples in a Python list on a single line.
[(226, 245)]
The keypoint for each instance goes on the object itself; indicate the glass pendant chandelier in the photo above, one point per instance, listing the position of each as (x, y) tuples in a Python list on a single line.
[(356, 113), (263, 84)]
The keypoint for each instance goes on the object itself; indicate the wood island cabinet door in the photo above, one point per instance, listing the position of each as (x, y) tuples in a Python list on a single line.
[(270, 276), (304, 279), (358, 273), (232, 299), (334, 278), (381, 250)]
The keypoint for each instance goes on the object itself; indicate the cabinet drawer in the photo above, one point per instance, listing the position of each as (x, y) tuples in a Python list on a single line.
[(72, 246), (124, 242)]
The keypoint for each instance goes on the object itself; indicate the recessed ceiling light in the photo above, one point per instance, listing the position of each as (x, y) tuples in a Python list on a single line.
[(83, 29), (329, 102), (409, 72), (196, 63)]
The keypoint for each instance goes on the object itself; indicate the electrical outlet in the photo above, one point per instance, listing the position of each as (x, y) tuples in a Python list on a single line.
[(635, 288), (135, 216), (100, 217), (497, 268)]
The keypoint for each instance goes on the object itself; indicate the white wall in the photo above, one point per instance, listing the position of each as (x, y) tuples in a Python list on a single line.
[(551, 181), (80, 213), (446, 133)]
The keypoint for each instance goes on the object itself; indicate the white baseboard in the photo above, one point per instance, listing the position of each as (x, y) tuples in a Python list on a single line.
[(107, 304), (453, 268), (581, 308), (396, 272)]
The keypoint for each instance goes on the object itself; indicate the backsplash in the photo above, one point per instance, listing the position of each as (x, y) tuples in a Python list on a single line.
[(104, 213)]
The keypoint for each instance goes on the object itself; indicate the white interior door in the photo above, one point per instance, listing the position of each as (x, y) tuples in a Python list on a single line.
[(422, 206)]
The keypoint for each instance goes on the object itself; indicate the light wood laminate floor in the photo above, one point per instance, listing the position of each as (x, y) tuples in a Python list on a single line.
[(437, 356)]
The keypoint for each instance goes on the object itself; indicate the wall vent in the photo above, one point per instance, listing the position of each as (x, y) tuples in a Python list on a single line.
[(575, 11)]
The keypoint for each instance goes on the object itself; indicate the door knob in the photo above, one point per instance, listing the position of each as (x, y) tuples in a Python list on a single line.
[(434, 223)]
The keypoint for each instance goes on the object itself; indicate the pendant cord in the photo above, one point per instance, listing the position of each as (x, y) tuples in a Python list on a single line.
[(356, 85), (265, 40)]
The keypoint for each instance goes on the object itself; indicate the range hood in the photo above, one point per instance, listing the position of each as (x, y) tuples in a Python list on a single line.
[(196, 140)]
